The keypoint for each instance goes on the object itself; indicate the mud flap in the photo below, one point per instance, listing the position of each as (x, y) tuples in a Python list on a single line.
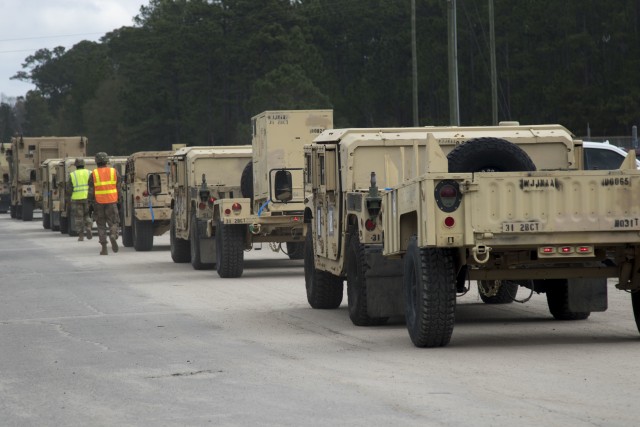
[(207, 244), (384, 284), (587, 295)]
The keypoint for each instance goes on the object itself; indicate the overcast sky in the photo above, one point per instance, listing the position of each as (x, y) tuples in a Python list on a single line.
[(29, 25)]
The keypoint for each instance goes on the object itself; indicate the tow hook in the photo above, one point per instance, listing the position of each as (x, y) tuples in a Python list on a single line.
[(481, 253), (254, 228)]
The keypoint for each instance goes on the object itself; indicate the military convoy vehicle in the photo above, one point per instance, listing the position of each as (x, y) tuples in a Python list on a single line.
[(5, 192), (146, 202), (409, 216), (272, 203), (25, 156), (50, 196), (198, 176)]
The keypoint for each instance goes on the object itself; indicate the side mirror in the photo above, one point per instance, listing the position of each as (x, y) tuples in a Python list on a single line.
[(283, 186)]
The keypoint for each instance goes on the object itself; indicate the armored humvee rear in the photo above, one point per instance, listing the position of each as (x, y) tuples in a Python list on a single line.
[(272, 205), (198, 176), (50, 196), (146, 202)]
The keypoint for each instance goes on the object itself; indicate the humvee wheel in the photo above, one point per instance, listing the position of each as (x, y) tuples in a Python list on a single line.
[(324, 290), (127, 231), (489, 154), (295, 250), (18, 211), (635, 301), (64, 225), (142, 235), (558, 301), (357, 284), (505, 294), (180, 251), (27, 209), (194, 241), (429, 294), (229, 250), (46, 221)]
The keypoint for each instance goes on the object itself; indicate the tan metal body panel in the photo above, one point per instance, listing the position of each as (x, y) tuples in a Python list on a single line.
[(28, 153), (137, 201), (222, 168), (278, 141), (50, 194)]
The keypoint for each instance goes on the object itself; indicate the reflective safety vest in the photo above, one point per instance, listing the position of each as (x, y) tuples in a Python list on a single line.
[(104, 185), (80, 182)]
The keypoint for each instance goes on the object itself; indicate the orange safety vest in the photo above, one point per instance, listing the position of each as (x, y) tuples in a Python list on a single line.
[(104, 185)]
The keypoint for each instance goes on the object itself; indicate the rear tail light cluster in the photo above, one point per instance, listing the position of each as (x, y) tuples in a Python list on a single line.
[(580, 250), (447, 195), (236, 208)]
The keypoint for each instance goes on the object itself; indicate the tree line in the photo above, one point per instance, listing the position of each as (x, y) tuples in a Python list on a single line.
[(195, 71)]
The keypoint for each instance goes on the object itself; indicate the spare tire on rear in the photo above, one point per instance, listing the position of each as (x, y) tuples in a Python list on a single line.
[(489, 155), (246, 181)]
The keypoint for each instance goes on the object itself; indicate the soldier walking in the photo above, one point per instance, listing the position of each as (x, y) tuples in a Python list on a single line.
[(79, 185), (103, 192)]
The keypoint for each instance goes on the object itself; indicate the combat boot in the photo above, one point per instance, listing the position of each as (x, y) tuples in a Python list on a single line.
[(104, 249), (89, 233), (80, 237), (114, 244)]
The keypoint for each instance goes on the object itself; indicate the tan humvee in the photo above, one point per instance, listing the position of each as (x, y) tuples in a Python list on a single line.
[(5, 180), (198, 176), (146, 202), (50, 196), (272, 205), (426, 209), (25, 157)]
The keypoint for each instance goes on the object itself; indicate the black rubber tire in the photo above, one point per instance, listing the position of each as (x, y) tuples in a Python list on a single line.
[(324, 290), (357, 284), (505, 295), (429, 294), (246, 181), (27, 208), (18, 211), (180, 251), (194, 242), (558, 301), (46, 221), (142, 235), (64, 225), (295, 250), (489, 154), (635, 302), (229, 250), (127, 231), (13, 210)]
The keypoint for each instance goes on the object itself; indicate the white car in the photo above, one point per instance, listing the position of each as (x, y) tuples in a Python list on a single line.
[(602, 155)]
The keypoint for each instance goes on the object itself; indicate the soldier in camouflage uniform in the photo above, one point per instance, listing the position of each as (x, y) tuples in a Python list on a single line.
[(78, 187), (103, 194)]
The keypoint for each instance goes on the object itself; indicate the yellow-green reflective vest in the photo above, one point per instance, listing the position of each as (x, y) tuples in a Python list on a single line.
[(80, 182)]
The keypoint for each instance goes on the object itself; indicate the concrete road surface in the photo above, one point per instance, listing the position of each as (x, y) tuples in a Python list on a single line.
[(132, 339)]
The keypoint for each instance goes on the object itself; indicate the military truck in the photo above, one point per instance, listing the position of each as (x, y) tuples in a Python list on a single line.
[(272, 205), (25, 156), (5, 193), (146, 202), (64, 169), (50, 196), (198, 176), (409, 216)]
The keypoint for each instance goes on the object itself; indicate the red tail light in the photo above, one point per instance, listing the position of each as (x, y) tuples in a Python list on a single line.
[(202, 205), (370, 225), (236, 207), (145, 193), (227, 211), (137, 198), (449, 222), (212, 200)]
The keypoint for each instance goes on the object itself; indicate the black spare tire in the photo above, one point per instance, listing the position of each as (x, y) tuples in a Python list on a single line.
[(489, 155)]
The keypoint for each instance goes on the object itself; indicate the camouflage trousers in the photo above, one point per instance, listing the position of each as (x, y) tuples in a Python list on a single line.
[(106, 215), (81, 216)]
